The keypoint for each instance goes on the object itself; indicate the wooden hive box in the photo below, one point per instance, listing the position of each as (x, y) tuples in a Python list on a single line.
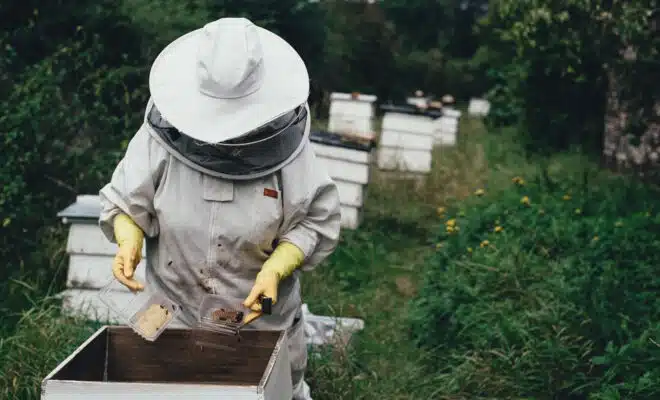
[(407, 139), (352, 114), (347, 162), (115, 362), (90, 260)]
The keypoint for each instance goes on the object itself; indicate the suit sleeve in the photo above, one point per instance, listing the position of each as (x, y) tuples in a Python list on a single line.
[(133, 185), (312, 222)]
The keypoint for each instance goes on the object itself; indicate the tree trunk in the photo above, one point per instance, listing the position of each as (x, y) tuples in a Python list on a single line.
[(627, 147)]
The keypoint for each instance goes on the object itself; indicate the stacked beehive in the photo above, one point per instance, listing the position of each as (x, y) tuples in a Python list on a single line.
[(346, 150), (478, 107), (406, 141), (90, 261), (347, 160), (351, 114), (446, 127)]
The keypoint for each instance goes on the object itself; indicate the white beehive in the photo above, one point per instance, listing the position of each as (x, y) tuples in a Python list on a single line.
[(352, 114), (446, 127), (418, 101), (90, 260), (115, 362), (347, 163), (478, 107), (406, 141)]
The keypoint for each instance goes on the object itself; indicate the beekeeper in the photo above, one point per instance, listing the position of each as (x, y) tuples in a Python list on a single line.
[(222, 181)]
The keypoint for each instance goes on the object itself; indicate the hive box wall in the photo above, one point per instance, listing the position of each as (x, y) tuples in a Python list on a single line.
[(406, 143), (446, 128), (351, 115), (350, 170), (115, 362)]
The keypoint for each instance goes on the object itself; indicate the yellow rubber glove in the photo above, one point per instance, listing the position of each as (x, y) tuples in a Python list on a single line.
[(129, 237), (281, 264)]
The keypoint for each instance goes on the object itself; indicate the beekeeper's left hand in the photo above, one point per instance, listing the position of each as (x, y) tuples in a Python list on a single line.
[(284, 260)]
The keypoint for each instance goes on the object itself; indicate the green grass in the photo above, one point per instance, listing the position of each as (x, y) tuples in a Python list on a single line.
[(560, 303), (389, 271), (547, 289), (41, 340)]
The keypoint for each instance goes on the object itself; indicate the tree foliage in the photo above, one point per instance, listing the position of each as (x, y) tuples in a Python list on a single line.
[(552, 57)]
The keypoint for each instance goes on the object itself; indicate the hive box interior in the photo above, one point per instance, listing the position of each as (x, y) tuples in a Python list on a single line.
[(120, 355)]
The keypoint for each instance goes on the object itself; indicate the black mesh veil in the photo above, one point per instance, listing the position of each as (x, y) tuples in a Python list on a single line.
[(259, 152)]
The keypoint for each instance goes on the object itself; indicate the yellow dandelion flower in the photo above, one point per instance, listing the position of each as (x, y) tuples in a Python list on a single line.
[(566, 197), (595, 238), (578, 211), (525, 200), (469, 249), (450, 229), (440, 211), (498, 229), (485, 243), (439, 245), (518, 181), (479, 192), (451, 222)]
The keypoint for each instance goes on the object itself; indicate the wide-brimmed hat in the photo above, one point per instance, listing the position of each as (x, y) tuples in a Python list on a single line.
[(226, 79)]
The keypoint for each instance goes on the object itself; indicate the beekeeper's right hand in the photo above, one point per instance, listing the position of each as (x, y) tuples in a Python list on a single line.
[(129, 237)]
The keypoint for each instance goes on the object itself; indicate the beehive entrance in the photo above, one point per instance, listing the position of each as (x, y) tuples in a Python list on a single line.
[(119, 355)]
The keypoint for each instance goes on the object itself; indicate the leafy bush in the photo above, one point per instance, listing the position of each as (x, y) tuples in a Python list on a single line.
[(62, 126), (548, 289)]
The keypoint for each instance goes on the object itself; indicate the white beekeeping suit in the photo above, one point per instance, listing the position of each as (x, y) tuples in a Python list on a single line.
[(221, 177)]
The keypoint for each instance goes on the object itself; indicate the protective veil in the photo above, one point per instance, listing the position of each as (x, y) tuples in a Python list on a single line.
[(258, 153), (206, 233)]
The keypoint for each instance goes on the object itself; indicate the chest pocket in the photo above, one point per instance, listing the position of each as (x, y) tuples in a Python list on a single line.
[(245, 213), (218, 190), (267, 212)]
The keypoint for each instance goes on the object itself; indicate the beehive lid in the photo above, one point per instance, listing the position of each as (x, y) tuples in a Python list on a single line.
[(411, 110), (117, 362), (338, 140), (354, 96), (86, 208)]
